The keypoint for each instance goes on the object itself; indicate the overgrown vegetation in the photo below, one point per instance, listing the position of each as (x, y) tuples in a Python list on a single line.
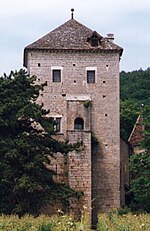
[(135, 100), (134, 95), (43, 223), (126, 222), (106, 222), (26, 140), (87, 103), (140, 168)]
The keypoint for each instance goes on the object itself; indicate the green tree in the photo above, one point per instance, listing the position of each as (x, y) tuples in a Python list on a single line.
[(129, 111), (134, 92), (135, 85), (25, 143), (140, 167)]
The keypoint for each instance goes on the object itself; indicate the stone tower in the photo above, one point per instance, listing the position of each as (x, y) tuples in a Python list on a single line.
[(82, 72)]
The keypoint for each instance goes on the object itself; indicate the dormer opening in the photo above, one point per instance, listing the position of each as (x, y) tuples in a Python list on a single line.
[(94, 39)]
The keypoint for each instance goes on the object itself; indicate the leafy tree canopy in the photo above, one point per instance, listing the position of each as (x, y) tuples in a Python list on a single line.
[(135, 100), (25, 143), (135, 85), (140, 167), (134, 94)]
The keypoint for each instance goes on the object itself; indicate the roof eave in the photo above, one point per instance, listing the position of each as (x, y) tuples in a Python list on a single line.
[(119, 50)]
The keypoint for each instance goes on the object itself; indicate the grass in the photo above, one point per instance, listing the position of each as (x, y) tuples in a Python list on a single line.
[(43, 223), (107, 222), (126, 222)]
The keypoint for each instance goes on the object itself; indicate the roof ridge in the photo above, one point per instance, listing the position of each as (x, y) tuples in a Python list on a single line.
[(59, 27)]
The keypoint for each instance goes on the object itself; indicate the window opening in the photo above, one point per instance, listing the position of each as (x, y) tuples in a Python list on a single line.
[(94, 39), (90, 76), (56, 76), (79, 124), (56, 124)]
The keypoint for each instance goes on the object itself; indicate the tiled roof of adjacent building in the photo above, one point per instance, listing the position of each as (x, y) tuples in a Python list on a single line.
[(137, 133), (72, 35)]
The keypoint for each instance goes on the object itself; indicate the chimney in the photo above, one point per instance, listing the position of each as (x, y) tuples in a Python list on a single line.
[(110, 37)]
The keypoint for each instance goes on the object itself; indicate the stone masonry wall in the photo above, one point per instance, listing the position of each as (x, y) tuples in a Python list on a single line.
[(104, 114), (80, 162), (80, 172), (125, 151)]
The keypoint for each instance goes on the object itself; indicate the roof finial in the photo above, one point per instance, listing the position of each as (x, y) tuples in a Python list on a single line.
[(72, 13)]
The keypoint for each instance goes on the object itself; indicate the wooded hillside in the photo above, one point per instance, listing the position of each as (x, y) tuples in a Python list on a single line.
[(135, 95)]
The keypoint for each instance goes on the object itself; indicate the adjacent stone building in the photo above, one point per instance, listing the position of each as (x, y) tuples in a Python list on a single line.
[(81, 69)]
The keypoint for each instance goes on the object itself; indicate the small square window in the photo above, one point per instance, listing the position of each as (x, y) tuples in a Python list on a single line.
[(90, 76), (56, 76)]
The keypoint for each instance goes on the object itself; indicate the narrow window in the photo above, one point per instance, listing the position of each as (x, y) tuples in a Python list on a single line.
[(79, 124), (90, 76), (56, 76), (57, 124)]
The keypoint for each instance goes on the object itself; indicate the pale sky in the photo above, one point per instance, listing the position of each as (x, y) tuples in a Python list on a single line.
[(24, 21)]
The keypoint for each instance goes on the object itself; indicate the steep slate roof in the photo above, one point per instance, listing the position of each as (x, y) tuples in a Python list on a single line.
[(71, 35)]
